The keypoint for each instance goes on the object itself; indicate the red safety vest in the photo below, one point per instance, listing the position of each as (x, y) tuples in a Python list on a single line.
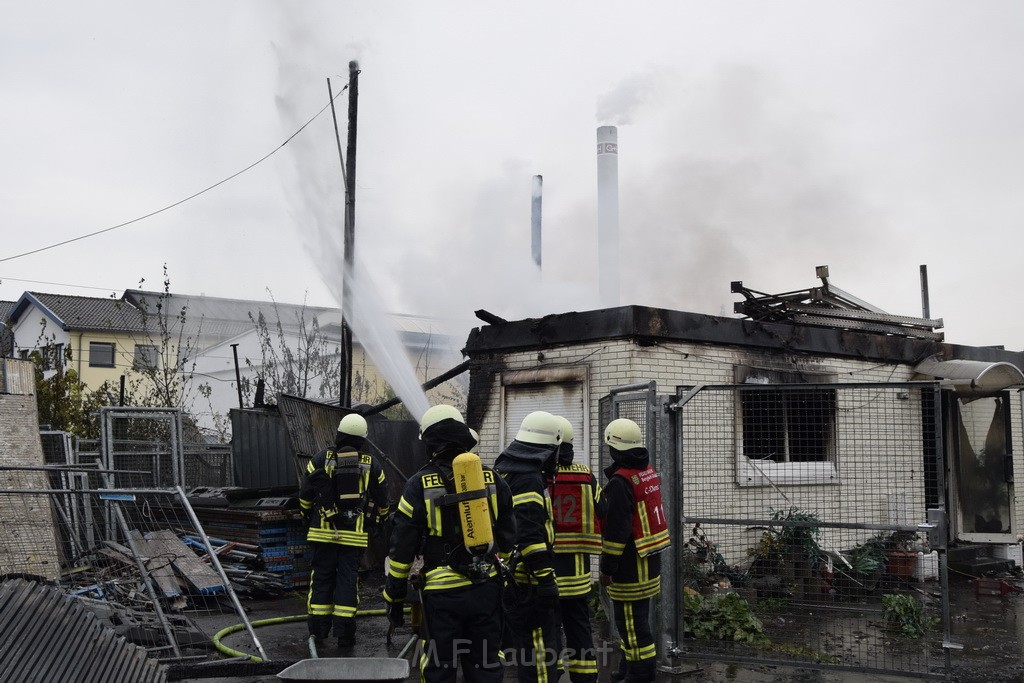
[(650, 528), (577, 527)]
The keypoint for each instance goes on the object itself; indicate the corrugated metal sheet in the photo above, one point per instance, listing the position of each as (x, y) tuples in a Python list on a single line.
[(46, 636), (271, 447), (399, 441), (311, 425), (263, 455)]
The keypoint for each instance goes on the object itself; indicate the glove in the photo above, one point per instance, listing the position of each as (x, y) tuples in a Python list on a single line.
[(396, 614), (547, 594)]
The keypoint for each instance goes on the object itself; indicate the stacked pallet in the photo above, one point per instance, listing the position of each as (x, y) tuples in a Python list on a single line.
[(273, 535)]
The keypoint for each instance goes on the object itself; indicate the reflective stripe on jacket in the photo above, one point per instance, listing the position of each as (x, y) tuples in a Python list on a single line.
[(575, 494)]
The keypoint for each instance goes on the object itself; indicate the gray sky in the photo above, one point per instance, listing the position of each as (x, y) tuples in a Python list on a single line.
[(757, 141)]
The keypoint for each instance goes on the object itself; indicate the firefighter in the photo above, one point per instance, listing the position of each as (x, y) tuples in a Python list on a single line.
[(343, 494), (634, 531), (528, 464), (461, 585), (577, 507)]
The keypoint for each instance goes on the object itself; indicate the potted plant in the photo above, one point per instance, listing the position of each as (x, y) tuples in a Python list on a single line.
[(901, 558)]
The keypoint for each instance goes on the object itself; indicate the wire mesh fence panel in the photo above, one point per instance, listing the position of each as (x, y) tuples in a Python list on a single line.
[(207, 465), (143, 439), (137, 558), (799, 539), (57, 449)]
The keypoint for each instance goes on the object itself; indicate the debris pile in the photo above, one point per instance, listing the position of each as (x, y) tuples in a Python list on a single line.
[(257, 532)]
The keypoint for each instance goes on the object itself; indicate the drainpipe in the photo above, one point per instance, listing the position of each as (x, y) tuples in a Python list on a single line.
[(80, 335)]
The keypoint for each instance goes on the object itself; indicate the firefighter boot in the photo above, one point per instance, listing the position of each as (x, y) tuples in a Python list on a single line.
[(619, 674), (641, 672), (346, 632)]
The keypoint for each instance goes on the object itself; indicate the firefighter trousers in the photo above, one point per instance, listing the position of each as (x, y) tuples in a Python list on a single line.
[(636, 641), (579, 654), (463, 629), (535, 645), (333, 590)]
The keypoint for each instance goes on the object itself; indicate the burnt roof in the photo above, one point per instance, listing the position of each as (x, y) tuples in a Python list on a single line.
[(649, 326)]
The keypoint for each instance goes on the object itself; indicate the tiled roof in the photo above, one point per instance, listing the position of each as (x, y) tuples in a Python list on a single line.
[(6, 308), (92, 313)]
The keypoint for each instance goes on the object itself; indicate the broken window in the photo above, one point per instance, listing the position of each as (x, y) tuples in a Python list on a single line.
[(787, 427), (984, 467)]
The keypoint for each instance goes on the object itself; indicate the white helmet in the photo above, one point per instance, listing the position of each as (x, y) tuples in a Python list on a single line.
[(623, 435), (353, 424), (476, 437), (567, 434), (541, 428), (438, 413)]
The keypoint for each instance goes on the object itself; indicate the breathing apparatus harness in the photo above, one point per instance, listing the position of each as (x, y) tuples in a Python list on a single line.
[(466, 489), (342, 468)]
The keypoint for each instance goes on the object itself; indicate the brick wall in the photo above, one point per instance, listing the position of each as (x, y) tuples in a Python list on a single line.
[(29, 544)]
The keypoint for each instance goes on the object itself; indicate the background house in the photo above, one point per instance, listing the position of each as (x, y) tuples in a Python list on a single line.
[(295, 348), (6, 336), (99, 338)]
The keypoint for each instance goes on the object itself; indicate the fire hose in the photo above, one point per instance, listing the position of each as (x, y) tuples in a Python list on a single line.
[(221, 647)]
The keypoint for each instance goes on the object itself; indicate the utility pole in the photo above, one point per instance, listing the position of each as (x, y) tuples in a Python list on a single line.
[(349, 170)]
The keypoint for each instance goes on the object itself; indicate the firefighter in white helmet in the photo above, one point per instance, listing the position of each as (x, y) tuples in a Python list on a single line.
[(528, 464), (343, 494), (461, 585), (634, 532), (578, 508)]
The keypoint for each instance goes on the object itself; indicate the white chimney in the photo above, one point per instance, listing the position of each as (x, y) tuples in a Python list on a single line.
[(535, 224), (608, 215)]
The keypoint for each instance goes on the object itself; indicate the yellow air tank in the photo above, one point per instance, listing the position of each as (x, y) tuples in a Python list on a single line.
[(474, 514)]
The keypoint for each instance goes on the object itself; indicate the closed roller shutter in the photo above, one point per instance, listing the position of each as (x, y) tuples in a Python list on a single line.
[(558, 398)]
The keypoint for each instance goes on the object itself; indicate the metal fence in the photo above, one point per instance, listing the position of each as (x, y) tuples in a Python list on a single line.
[(150, 439), (808, 524), (138, 558)]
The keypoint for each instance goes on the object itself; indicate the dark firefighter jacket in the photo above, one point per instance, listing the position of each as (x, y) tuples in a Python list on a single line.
[(633, 577), (523, 465), (342, 492), (425, 525)]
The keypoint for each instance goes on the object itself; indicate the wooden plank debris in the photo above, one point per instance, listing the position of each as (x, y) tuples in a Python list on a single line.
[(197, 574)]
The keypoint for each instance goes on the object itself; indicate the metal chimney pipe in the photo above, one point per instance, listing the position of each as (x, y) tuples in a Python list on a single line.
[(608, 215), (535, 206)]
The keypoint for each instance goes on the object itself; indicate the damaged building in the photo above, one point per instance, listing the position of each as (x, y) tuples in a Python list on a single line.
[(815, 417)]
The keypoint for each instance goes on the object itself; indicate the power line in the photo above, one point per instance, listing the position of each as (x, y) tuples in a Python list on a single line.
[(57, 284), (181, 201)]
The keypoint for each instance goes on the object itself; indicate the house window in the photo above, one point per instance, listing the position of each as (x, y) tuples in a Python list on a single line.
[(145, 357), (787, 430), (791, 425), (101, 355), (52, 356)]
